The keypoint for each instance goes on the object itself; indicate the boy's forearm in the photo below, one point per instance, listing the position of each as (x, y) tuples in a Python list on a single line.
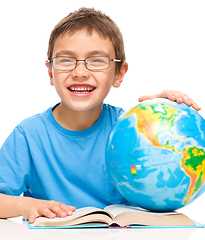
[(10, 206)]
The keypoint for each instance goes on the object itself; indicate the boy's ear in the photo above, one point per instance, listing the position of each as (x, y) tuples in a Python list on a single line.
[(120, 75), (49, 72)]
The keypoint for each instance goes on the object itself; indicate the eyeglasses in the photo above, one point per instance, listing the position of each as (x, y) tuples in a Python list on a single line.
[(95, 63)]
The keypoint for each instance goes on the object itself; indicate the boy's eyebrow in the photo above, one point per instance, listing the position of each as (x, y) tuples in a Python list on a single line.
[(91, 53), (64, 52), (98, 52)]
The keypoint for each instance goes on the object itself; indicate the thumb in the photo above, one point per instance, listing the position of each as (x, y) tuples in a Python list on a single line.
[(32, 219), (144, 98)]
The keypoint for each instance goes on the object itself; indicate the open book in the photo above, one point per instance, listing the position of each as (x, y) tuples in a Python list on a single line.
[(116, 215)]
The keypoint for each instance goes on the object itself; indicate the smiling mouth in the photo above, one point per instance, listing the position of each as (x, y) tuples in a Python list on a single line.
[(81, 88)]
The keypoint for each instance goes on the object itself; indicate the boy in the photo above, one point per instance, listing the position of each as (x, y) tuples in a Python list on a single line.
[(59, 154)]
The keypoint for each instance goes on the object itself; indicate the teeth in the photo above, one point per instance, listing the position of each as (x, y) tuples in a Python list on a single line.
[(81, 89)]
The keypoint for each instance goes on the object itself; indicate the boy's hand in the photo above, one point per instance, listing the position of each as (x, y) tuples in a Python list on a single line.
[(34, 208), (173, 96)]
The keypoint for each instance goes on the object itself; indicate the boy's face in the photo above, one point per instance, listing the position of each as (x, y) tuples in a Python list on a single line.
[(95, 84)]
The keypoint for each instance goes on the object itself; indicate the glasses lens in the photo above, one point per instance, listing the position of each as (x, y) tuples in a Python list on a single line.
[(64, 63), (97, 63)]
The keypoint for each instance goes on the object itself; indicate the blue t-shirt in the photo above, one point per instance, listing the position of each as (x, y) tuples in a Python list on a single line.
[(43, 160)]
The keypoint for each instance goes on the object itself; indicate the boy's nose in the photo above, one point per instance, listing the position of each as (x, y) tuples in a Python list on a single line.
[(80, 71)]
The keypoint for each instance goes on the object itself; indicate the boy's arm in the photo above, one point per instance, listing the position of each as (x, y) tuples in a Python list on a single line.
[(31, 208), (173, 96)]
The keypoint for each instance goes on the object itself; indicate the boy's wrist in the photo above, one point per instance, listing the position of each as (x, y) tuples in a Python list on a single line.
[(22, 204)]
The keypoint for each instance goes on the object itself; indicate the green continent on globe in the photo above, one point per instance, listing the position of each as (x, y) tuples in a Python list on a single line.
[(193, 163)]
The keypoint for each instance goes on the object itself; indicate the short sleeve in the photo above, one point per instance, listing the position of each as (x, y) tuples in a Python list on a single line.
[(15, 164), (121, 112)]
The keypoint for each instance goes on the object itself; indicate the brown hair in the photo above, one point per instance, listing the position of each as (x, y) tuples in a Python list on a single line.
[(91, 20)]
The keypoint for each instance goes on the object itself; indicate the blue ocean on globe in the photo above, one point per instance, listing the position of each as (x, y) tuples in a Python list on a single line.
[(155, 155)]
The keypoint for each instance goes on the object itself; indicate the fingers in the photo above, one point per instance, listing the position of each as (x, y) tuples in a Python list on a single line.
[(196, 107), (42, 212), (50, 209), (179, 97), (173, 96), (61, 209)]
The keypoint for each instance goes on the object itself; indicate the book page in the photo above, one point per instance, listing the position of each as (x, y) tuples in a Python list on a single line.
[(128, 215), (77, 214), (95, 218), (117, 209), (146, 219)]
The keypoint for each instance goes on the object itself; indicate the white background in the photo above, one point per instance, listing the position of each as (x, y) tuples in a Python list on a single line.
[(164, 44)]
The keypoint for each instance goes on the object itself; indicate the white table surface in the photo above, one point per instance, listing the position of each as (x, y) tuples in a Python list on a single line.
[(18, 229)]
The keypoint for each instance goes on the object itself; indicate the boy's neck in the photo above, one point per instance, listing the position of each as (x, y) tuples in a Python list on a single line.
[(76, 120)]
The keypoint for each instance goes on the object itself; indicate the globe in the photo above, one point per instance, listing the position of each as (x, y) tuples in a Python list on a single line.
[(155, 155)]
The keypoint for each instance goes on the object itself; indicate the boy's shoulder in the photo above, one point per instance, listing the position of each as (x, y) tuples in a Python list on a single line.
[(35, 120), (112, 110)]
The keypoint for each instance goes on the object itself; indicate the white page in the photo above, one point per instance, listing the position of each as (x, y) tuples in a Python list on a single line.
[(117, 209), (76, 214)]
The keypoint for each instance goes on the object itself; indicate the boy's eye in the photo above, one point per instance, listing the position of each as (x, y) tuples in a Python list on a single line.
[(65, 61), (97, 60)]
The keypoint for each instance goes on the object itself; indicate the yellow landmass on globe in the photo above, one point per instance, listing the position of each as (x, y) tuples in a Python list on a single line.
[(154, 120), (193, 163)]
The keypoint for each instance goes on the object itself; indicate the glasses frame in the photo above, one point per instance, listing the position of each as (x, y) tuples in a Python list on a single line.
[(76, 61)]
